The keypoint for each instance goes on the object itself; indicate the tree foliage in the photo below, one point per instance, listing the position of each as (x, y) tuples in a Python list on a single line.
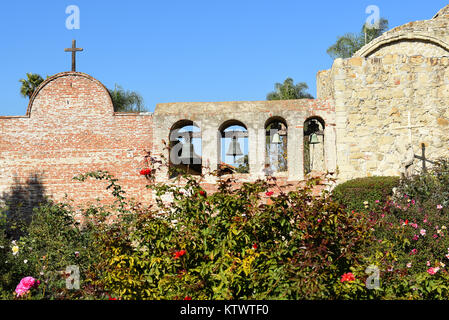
[(350, 43), (30, 84), (289, 91), (126, 100)]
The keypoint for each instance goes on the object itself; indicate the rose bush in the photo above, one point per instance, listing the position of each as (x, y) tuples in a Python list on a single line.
[(232, 244)]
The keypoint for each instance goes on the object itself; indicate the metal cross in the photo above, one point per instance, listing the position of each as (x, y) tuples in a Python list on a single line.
[(73, 50), (409, 127), (423, 158)]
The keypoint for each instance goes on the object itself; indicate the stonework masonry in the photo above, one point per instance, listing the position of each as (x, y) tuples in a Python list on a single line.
[(365, 104)]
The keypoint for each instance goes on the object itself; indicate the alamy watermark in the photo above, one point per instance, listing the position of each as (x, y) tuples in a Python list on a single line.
[(73, 21), (373, 280), (373, 20), (73, 277)]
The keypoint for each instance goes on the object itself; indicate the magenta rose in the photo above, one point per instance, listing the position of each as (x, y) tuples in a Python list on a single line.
[(25, 285)]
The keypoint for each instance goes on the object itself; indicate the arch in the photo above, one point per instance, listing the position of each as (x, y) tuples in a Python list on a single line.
[(275, 118), (185, 146), (276, 140), (68, 74), (314, 139), (231, 122), (233, 147), (380, 42)]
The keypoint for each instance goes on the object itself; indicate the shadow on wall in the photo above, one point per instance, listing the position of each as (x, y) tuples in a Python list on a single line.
[(19, 202)]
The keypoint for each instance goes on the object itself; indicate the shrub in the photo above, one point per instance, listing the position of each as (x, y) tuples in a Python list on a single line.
[(231, 244), (52, 241), (415, 236), (429, 188), (354, 194)]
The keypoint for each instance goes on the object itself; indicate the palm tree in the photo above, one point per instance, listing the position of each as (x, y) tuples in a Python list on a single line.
[(350, 43), (288, 91), (126, 101), (30, 84)]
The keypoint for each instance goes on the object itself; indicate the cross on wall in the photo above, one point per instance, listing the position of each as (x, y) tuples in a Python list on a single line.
[(73, 50), (409, 127), (422, 157)]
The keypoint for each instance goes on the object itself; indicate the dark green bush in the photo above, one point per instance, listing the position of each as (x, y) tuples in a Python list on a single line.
[(354, 194), (429, 188)]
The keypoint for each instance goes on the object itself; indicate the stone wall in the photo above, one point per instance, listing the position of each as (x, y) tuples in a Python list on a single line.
[(429, 38), (373, 97), (210, 116), (70, 128), (324, 85), (411, 48)]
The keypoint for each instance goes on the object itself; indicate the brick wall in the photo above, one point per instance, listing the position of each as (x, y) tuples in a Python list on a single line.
[(70, 128)]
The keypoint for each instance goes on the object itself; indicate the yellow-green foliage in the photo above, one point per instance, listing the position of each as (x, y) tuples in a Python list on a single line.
[(231, 245)]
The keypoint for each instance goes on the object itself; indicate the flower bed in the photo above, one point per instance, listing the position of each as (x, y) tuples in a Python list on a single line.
[(231, 244)]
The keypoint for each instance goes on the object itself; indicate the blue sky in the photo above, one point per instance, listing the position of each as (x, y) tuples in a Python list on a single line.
[(178, 51)]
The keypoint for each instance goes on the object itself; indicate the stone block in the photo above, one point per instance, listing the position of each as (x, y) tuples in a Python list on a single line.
[(356, 61)]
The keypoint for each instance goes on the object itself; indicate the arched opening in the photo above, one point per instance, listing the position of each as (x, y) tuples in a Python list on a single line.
[(314, 145), (233, 148), (185, 149), (275, 145)]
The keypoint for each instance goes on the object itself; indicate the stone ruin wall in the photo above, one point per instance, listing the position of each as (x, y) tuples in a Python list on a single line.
[(210, 116), (373, 96), (405, 69)]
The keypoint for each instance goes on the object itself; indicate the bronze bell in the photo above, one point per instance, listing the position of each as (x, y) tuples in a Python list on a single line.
[(234, 148), (276, 138), (314, 139)]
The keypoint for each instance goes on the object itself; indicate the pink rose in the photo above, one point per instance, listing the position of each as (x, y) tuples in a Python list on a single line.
[(25, 285), (432, 271), (28, 282)]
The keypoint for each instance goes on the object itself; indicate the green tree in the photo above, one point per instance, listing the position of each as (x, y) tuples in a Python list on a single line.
[(30, 84), (126, 101), (350, 43), (289, 91)]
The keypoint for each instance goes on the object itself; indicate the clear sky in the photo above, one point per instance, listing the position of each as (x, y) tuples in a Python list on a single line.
[(178, 50)]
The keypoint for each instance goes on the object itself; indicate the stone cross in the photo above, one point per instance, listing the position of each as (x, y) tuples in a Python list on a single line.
[(73, 50), (409, 127)]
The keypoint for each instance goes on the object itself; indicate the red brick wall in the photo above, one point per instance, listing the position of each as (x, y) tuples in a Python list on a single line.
[(70, 128)]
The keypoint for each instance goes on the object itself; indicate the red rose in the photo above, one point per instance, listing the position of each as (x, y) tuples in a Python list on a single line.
[(269, 193), (347, 277), (255, 246), (202, 193), (179, 254), (188, 298), (145, 172)]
